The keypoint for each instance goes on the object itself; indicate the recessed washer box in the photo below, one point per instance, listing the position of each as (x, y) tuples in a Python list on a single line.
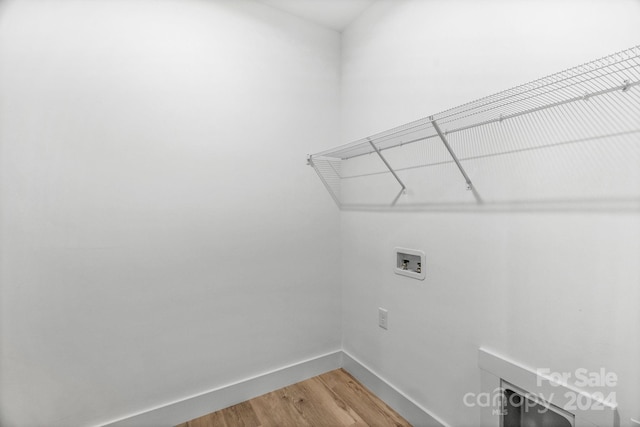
[(410, 263)]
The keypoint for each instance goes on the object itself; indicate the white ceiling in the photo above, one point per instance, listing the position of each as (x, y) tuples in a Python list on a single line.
[(334, 14)]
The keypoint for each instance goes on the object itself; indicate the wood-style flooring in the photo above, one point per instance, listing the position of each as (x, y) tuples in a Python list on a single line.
[(328, 400)]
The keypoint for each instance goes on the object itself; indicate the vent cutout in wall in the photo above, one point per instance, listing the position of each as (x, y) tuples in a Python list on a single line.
[(523, 409)]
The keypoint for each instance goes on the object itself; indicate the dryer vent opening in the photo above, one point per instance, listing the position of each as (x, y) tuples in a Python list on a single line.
[(523, 409)]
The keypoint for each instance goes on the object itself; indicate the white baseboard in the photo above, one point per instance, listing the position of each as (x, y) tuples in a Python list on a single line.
[(222, 397), (401, 403), (195, 406)]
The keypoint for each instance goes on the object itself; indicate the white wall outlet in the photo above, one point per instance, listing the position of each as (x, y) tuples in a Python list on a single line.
[(382, 317)]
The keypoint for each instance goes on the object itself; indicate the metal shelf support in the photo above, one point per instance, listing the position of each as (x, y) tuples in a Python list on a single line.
[(404, 188), (455, 159)]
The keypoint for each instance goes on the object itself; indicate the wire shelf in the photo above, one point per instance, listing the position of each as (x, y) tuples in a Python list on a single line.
[(570, 137)]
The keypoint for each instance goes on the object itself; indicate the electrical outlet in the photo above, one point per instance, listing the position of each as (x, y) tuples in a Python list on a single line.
[(382, 317)]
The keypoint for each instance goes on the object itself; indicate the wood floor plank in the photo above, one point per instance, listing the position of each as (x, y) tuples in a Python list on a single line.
[(329, 400), (277, 409), (241, 415), (332, 403), (368, 406), (214, 419), (315, 402)]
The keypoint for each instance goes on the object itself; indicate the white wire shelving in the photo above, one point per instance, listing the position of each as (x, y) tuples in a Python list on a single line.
[(570, 138)]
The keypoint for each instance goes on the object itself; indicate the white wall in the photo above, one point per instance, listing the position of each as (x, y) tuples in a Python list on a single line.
[(161, 233), (153, 192), (556, 290)]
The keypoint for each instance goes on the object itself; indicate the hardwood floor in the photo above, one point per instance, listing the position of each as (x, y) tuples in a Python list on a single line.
[(328, 400)]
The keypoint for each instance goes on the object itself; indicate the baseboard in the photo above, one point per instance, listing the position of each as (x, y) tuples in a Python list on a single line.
[(213, 400), (401, 403)]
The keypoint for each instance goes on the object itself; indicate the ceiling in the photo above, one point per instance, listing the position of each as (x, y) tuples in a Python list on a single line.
[(334, 14)]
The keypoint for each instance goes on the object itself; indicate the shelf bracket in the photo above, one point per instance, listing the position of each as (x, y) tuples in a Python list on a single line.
[(455, 159), (404, 188)]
